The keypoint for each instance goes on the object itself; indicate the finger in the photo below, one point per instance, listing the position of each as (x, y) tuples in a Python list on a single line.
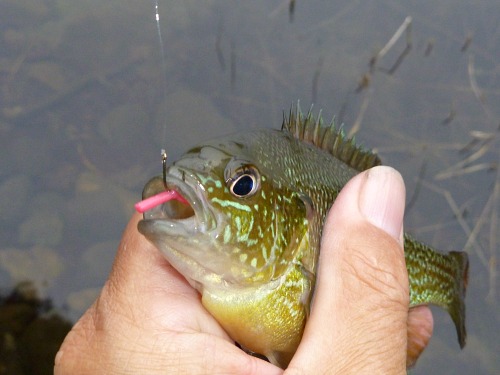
[(362, 295), (142, 278), (148, 319), (186, 353), (139, 265), (204, 354), (420, 326), (123, 308), (143, 289), (143, 297)]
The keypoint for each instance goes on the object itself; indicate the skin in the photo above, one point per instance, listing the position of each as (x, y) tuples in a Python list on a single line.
[(148, 319)]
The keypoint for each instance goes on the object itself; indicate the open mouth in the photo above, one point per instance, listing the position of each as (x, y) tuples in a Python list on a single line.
[(180, 203)]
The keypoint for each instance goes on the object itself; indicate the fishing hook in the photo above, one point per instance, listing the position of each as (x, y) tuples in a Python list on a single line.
[(164, 166)]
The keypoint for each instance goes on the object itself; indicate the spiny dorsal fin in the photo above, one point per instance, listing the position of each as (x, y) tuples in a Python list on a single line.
[(311, 130)]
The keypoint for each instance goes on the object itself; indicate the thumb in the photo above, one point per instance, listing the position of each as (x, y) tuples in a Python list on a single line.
[(360, 308)]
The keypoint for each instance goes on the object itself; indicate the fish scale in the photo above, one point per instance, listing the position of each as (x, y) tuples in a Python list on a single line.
[(250, 243)]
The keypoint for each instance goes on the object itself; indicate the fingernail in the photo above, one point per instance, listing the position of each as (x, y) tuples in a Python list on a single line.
[(382, 200)]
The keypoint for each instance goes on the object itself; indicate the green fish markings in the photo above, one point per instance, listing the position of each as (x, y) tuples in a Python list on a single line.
[(248, 240)]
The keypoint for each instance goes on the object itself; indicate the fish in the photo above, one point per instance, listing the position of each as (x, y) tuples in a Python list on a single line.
[(243, 225)]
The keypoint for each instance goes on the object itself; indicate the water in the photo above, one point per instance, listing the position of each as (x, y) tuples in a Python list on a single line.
[(84, 112)]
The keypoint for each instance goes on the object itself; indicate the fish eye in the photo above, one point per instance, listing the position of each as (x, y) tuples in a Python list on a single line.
[(243, 185), (244, 182)]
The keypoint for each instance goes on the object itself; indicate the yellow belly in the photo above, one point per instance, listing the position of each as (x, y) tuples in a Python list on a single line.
[(268, 319)]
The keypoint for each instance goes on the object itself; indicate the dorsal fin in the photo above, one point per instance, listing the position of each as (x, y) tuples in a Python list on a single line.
[(310, 129)]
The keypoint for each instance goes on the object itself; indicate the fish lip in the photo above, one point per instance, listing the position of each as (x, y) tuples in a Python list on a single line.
[(186, 184), (176, 238)]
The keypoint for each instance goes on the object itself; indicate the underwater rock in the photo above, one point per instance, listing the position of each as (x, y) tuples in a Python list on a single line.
[(14, 198), (98, 208), (123, 125), (43, 228), (96, 261), (39, 264)]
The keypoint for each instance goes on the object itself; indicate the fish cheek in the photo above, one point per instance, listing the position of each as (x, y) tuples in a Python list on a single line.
[(238, 235)]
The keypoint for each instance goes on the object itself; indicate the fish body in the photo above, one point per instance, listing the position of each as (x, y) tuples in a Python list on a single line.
[(249, 238)]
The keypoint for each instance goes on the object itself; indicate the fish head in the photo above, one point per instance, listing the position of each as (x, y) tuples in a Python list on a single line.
[(242, 224)]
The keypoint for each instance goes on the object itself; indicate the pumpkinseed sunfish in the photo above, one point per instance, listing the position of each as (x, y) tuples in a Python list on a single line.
[(246, 230)]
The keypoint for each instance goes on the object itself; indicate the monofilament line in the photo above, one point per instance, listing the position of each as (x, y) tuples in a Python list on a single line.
[(163, 65)]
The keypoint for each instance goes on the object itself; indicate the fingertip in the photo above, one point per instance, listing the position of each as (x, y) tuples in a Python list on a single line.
[(132, 238), (382, 200), (131, 228), (377, 196), (420, 328), (136, 259), (361, 294)]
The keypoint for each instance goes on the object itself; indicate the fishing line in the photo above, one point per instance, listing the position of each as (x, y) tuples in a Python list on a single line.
[(163, 65)]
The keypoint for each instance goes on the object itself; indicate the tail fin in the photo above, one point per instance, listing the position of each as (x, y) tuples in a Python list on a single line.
[(456, 308), (439, 279)]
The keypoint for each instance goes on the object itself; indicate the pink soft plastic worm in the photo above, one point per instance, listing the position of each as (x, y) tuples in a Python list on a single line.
[(158, 199)]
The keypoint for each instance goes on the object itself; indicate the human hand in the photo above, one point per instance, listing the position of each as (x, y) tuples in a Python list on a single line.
[(360, 319), (148, 319)]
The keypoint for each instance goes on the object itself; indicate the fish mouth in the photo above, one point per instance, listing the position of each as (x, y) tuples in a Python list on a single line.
[(182, 228), (178, 217)]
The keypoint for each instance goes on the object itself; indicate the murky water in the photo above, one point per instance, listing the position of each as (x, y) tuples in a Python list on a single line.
[(86, 104)]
